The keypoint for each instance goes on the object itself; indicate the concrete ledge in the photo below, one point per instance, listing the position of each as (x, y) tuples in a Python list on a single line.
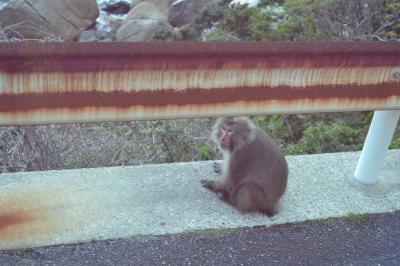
[(70, 206)]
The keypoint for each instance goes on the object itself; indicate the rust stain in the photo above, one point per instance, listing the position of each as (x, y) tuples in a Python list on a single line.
[(101, 114), (244, 62), (129, 63), (186, 79), (14, 218), (175, 49), (27, 214), (162, 98), (77, 57)]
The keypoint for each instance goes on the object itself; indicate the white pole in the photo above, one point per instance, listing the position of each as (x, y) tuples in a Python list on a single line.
[(376, 145)]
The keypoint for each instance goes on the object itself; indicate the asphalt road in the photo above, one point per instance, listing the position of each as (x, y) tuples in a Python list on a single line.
[(370, 240)]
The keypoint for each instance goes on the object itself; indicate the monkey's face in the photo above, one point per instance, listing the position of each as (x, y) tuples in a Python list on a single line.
[(225, 141), (232, 133)]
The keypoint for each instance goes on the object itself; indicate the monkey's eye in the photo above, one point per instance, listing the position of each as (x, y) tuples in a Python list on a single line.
[(230, 130)]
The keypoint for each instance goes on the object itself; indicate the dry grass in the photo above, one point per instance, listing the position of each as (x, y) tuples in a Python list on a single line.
[(10, 34), (30, 148)]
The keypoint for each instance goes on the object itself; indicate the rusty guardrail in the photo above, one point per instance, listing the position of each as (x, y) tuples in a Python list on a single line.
[(83, 82)]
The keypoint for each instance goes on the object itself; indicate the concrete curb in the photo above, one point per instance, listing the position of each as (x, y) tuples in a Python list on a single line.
[(71, 206)]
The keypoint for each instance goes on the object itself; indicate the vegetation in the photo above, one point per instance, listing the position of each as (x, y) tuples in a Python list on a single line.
[(9, 34), (357, 217), (108, 144), (297, 20), (29, 148)]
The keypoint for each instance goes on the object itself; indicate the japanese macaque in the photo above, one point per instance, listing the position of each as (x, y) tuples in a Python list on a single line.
[(253, 175)]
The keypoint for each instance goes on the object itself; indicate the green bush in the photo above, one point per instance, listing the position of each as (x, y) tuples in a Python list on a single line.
[(167, 33), (238, 19), (387, 21), (276, 126), (332, 137)]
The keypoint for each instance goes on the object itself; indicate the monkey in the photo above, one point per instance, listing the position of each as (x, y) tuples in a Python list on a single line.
[(254, 173)]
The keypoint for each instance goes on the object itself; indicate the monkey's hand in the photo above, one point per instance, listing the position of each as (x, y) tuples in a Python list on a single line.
[(209, 184), (217, 168), (223, 195)]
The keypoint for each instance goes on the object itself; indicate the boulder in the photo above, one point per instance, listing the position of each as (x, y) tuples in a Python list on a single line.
[(38, 19), (116, 7), (88, 36), (185, 11), (115, 23), (138, 30), (145, 10), (103, 32), (162, 5), (141, 23)]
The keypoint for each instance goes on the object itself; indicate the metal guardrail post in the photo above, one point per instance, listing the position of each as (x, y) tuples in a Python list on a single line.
[(376, 145)]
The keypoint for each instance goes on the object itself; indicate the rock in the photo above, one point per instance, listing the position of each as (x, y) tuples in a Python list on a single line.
[(141, 22), (115, 22), (104, 30), (162, 5), (145, 10), (116, 7), (104, 33), (138, 30), (107, 26), (185, 11), (88, 36), (38, 19)]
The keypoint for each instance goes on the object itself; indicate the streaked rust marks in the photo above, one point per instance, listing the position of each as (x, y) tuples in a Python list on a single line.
[(195, 61), (100, 114), (73, 57), (168, 79), (200, 97)]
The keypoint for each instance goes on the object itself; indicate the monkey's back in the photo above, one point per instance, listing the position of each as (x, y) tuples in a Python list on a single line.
[(262, 163)]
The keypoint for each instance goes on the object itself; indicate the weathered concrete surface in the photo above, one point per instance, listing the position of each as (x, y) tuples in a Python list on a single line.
[(70, 206)]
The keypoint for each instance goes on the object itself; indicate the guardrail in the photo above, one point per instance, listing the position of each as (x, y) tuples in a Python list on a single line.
[(91, 82)]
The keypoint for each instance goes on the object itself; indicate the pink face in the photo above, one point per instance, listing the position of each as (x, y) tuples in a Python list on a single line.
[(225, 140)]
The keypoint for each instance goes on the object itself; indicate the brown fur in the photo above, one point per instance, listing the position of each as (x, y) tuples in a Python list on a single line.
[(254, 173)]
